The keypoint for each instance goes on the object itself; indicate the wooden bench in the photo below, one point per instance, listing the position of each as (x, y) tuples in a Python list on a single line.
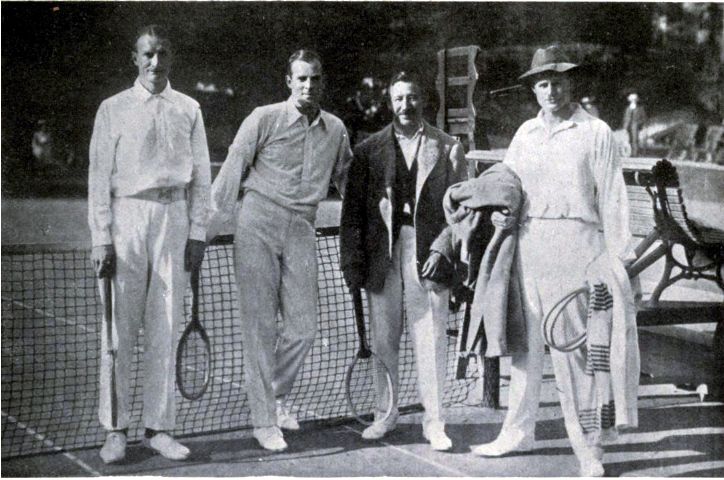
[(657, 207), (658, 214)]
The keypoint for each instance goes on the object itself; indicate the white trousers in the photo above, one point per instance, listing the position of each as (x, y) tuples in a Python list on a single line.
[(148, 291), (553, 255), (427, 314), (276, 269)]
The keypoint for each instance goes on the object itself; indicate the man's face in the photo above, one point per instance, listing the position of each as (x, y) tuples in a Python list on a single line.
[(306, 84), (552, 91), (153, 57), (407, 103)]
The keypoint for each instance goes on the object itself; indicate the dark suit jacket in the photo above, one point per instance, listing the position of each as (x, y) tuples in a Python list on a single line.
[(366, 226), (633, 121)]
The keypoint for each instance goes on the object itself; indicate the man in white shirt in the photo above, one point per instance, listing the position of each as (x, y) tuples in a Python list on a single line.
[(149, 180), (575, 217), (282, 160)]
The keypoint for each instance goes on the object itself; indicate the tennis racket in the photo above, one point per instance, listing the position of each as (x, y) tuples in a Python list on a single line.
[(193, 355), (366, 373), (472, 331), (112, 351), (564, 327), (464, 355)]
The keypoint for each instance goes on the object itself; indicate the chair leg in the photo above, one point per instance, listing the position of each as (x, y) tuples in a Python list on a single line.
[(644, 245), (718, 351), (665, 277)]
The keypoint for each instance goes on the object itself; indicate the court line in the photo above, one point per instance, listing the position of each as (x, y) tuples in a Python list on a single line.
[(48, 443), (396, 448), (418, 457), (671, 470), (42, 312)]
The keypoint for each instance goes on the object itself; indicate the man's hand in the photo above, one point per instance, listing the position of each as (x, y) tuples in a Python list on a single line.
[(194, 254), (502, 220), (103, 258), (434, 267), (354, 278)]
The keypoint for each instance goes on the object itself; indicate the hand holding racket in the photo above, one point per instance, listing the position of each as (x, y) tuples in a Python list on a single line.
[(107, 298), (193, 356), (103, 258), (368, 384)]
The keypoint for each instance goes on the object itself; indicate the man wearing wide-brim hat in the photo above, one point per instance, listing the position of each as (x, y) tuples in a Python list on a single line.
[(573, 229)]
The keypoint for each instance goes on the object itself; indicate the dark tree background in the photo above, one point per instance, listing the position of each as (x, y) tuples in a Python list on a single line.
[(60, 60)]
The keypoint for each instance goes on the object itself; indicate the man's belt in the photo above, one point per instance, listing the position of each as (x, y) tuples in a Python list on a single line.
[(162, 195), (406, 219)]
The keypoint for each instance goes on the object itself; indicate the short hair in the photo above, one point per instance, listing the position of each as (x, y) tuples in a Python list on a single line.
[(153, 30), (304, 55), (406, 77)]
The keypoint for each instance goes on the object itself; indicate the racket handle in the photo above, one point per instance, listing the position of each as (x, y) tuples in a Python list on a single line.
[(108, 307), (462, 366), (359, 318), (195, 274)]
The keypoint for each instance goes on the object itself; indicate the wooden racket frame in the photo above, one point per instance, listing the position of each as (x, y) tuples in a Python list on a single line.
[(111, 350), (365, 353), (194, 324)]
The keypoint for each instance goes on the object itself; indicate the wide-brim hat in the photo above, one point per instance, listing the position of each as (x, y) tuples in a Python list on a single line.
[(548, 59)]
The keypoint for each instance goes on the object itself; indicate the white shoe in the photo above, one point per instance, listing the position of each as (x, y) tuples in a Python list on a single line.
[(114, 448), (591, 463), (434, 432), (592, 468), (379, 428), (285, 418), (597, 453), (270, 438), (503, 445), (165, 444)]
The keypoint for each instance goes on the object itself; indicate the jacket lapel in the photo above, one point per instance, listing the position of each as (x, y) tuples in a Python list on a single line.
[(428, 156), (386, 155)]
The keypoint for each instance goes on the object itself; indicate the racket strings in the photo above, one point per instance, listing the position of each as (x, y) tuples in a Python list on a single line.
[(193, 368), (369, 388), (566, 324)]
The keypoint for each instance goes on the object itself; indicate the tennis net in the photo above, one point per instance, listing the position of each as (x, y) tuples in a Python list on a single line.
[(51, 319)]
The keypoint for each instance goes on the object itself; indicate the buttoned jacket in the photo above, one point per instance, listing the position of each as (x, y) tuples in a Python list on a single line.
[(366, 227)]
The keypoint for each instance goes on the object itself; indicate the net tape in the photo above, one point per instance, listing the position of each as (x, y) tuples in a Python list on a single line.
[(51, 319)]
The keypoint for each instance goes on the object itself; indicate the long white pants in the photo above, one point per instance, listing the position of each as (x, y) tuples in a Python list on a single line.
[(276, 267), (553, 255), (427, 314), (148, 290)]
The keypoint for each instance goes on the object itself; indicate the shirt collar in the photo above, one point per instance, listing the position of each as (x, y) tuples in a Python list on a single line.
[(399, 133), (579, 115), (144, 94), (293, 114)]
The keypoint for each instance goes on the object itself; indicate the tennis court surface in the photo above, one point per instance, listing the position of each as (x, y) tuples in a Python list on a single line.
[(50, 354), (678, 436)]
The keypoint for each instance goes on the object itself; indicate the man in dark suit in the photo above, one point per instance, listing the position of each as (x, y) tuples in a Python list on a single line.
[(633, 121), (391, 215)]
